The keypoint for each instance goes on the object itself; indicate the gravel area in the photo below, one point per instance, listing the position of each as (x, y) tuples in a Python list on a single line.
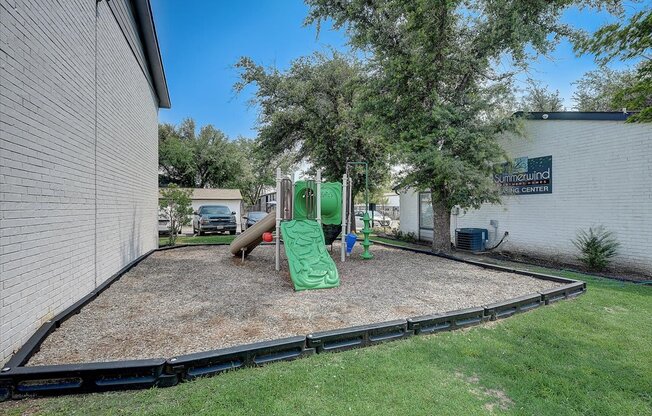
[(201, 298)]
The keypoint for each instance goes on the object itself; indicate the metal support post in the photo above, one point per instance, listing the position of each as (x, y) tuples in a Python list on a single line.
[(344, 217), (318, 196), (292, 197), (279, 207), (349, 203)]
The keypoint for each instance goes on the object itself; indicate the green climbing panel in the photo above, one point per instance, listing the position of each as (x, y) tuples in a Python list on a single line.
[(311, 266)]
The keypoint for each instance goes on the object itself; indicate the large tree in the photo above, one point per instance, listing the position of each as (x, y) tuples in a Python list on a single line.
[(626, 42), (175, 158), (258, 169), (215, 158), (207, 159), (311, 113), (597, 90), (539, 97), (435, 67)]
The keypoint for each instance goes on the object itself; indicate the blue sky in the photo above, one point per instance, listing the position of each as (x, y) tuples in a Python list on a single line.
[(201, 40)]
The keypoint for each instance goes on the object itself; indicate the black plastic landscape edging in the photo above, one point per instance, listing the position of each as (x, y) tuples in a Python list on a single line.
[(191, 366), (18, 381), (87, 377), (33, 344), (508, 308), (358, 336), (541, 276), (447, 321)]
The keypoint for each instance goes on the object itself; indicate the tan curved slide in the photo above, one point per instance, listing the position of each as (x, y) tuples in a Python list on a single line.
[(253, 235)]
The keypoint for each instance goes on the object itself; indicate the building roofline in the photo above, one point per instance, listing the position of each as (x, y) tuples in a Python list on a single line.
[(576, 115), (145, 20), (230, 194)]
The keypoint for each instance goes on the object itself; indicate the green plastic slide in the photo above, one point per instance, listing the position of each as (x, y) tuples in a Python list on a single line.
[(311, 266)]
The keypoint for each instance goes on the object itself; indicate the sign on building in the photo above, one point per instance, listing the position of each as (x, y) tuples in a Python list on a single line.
[(526, 176)]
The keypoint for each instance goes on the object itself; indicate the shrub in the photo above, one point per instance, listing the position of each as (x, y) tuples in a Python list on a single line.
[(409, 237), (176, 205), (597, 246)]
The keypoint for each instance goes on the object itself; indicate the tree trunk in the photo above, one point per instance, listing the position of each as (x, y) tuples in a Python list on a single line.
[(441, 230)]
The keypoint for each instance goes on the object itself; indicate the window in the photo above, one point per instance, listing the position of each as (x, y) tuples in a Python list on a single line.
[(214, 210), (256, 215), (425, 211)]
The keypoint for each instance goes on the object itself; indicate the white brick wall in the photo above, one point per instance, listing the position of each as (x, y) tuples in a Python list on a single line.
[(409, 216), (409, 213), (127, 153), (51, 171), (601, 174)]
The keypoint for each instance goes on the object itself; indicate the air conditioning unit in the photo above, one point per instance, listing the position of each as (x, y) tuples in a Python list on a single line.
[(471, 239)]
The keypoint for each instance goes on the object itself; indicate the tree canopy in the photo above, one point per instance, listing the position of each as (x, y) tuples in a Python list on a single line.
[(626, 42), (258, 169), (311, 113), (538, 97), (203, 160), (597, 90), (433, 64)]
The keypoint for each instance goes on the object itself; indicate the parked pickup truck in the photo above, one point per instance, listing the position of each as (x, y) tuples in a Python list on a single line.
[(215, 219)]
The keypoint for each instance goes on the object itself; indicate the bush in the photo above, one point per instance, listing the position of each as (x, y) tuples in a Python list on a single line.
[(407, 237), (410, 237), (597, 246), (175, 204)]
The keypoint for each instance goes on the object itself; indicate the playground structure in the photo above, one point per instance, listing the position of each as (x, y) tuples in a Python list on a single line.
[(226, 299), (369, 312), (309, 214)]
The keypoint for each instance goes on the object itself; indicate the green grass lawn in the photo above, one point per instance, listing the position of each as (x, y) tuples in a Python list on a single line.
[(588, 356), (205, 239), (397, 242)]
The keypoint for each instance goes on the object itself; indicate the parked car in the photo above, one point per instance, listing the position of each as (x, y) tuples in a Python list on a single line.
[(163, 225), (379, 220), (214, 218), (253, 217)]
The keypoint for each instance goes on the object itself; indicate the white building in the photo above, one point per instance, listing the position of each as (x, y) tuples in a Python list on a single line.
[(572, 171), (81, 83), (391, 199)]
